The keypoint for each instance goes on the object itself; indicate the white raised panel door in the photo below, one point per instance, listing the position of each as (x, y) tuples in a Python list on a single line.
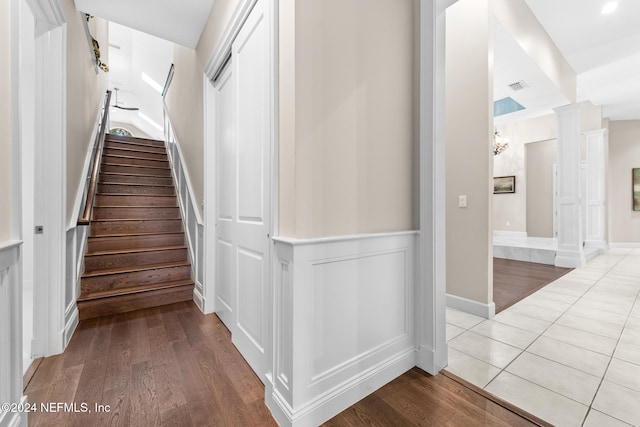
[(225, 294), (251, 71)]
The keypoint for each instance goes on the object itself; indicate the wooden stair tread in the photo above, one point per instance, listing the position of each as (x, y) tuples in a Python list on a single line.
[(136, 194), (128, 174), (122, 270), (139, 149), (135, 250), (118, 138), (135, 219), (136, 166), (120, 156), (135, 184), (139, 234), (89, 296)]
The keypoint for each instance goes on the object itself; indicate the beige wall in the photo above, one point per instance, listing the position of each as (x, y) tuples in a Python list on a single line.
[(346, 116), (540, 158), (184, 102), (624, 155), (469, 127), (220, 15), (5, 121), (85, 92)]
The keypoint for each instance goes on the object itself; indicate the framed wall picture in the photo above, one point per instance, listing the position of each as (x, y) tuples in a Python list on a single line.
[(504, 184), (635, 185)]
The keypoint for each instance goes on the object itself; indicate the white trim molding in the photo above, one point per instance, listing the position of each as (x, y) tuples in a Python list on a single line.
[(11, 332), (223, 48), (488, 311), (343, 322), (624, 245), (47, 13)]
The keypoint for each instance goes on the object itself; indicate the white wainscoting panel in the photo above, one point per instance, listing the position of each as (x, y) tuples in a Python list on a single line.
[(344, 307), (193, 225), (11, 332)]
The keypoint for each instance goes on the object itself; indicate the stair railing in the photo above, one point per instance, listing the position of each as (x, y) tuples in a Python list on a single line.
[(85, 219)]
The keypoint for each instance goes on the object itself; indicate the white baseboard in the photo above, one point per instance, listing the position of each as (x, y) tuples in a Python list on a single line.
[(198, 297), (427, 359), (488, 311), (507, 233), (569, 259), (624, 245), (342, 397), (72, 318)]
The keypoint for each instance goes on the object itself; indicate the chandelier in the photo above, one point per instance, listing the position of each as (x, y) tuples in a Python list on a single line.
[(499, 143)]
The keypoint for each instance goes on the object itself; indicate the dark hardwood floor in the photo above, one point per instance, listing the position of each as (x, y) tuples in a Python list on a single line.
[(515, 280), (163, 366), (174, 366)]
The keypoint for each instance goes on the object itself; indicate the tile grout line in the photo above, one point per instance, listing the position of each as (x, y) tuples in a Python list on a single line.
[(608, 270), (610, 360)]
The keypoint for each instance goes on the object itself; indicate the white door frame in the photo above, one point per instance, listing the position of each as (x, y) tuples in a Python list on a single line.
[(50, 178)]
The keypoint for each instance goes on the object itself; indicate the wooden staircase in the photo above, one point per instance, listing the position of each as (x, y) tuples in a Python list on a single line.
[(136, 254)]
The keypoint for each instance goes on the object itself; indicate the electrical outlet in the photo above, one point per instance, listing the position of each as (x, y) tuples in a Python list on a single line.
[(462, 201)]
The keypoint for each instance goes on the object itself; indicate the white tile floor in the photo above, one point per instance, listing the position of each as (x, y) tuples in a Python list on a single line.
[(569, 354)]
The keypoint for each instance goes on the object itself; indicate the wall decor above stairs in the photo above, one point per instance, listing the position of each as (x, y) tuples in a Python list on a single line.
[(136, 253)]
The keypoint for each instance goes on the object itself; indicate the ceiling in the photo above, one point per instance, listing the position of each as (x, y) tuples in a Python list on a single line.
[(179, 21), (604, 50)]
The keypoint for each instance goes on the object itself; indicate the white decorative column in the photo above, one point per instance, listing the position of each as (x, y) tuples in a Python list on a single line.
[(570, 240), (596, 156)]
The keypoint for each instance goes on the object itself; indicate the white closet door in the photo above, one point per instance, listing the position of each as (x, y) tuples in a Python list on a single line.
[(244, 170)]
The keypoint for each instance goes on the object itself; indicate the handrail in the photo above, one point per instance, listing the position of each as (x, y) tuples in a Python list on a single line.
[(97, 159)]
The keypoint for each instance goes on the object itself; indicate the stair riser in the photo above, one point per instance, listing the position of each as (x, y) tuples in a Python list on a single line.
[(126, 303), (135, 161), (134, 146), (136, 213), (100, 262), (97, 244), (133, 152), (135, 189), (137, 226), (128, 280), (117, 168), (106, 178), (141, 141), (113, 200)]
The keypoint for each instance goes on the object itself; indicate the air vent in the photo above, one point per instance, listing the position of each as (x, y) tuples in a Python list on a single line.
[(518, 85)]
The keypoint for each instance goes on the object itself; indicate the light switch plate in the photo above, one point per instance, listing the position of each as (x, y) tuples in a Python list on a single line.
[(462, 201)]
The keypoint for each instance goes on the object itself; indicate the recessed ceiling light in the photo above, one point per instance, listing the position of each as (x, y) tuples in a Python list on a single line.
[(609, 7)]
